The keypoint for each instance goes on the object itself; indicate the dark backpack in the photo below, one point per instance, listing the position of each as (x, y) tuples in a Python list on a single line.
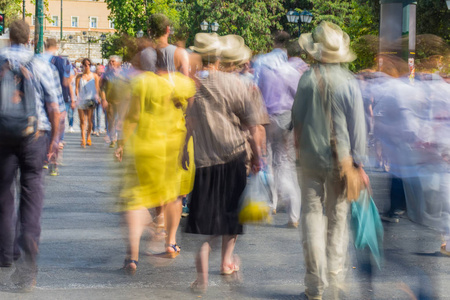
[(18, 116), (60, 64)]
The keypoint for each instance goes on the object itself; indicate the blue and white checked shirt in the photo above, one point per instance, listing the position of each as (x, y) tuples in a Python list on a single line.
[(47, 57), (47, 88)]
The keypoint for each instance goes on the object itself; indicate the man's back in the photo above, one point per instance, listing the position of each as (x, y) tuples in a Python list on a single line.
[(322, 89)]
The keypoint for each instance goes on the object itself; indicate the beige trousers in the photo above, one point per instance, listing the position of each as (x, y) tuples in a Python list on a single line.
[(324, 221)]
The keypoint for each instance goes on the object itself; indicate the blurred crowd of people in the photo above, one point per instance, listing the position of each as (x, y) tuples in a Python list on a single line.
[(194, 123)]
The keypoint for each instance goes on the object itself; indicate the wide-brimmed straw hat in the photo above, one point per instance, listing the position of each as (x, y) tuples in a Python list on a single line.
[(207, 44), (234, 49), (327, 44)]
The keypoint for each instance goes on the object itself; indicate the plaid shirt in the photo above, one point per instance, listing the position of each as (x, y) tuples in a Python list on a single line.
[(47, 89), (47, 57)]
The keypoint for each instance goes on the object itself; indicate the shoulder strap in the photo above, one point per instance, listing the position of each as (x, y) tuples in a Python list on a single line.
[(322, 89)]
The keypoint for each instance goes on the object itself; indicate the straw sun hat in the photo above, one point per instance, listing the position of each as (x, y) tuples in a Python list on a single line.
[(231, 48), (327, 44)]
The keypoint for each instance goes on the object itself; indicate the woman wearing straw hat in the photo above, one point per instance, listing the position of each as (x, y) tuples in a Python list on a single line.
[(328, 106), (215, 117)]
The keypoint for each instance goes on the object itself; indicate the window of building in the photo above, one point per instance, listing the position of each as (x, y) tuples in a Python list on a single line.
[(93, 22), (33, 20), (54, 21), (111, 24), (74, 21)]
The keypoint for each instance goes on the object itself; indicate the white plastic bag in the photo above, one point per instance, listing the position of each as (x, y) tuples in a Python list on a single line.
[(255, 200)]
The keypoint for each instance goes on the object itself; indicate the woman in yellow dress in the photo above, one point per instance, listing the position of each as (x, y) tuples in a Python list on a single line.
[(154, 133)]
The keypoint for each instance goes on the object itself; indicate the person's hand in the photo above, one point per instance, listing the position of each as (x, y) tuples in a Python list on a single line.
[(73, 104), (256, 164), (118, 154), (185, 158), (364, 177), (104, 104), (52, 149)]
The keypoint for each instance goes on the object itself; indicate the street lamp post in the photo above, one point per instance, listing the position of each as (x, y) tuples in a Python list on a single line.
[(89, 40), (299, 18), (103, 38), (205, 26)]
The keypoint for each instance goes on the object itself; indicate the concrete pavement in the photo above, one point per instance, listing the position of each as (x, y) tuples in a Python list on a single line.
[(82, 248)]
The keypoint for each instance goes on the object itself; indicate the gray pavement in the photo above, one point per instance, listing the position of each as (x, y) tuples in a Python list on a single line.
[(82, 248)]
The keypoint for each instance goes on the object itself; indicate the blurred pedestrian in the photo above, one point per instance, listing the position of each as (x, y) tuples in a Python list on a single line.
[(217, 115), (151, 137), (24, 151), (87, 91), (97, 114), (115, 94), (330, 136), (278, 81)]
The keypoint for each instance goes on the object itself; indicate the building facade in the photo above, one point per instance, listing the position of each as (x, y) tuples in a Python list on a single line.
[(83, 22)]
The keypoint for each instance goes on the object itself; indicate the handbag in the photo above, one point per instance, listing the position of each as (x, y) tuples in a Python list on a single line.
[(366, 225)]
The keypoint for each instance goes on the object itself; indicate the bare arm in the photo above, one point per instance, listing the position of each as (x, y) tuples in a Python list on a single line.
[(181, 60), (97, 85), (77, 84), (255, 143)]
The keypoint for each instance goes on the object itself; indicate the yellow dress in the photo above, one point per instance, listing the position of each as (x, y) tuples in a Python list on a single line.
[(155, 176)]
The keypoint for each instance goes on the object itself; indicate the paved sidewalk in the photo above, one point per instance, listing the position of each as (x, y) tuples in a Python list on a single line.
[(82, 249)]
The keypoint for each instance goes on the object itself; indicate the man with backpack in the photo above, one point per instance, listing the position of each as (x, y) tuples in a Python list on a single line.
[(28, 111)]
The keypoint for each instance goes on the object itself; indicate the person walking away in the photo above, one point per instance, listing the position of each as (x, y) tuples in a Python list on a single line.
[(278, 80), (152, 141), (215, 116), (63, 68), (24, 150), (87, 91), (330, 136), (169, 59)]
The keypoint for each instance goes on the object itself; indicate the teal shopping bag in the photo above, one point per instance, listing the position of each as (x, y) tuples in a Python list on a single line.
[(367, 226)]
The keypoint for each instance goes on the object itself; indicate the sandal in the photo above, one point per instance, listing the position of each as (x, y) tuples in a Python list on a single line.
[(129, 270), (198, 288), (83, 144), (229, 270), (175, 253), (89, 142)]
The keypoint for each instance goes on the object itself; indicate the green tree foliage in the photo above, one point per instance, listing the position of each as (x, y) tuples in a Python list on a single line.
[(433, 17), (130, 16), (251, 19), (358, 18), (11, 9)]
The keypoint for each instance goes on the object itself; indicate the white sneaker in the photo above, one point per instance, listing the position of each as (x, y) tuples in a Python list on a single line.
[(71, 130)]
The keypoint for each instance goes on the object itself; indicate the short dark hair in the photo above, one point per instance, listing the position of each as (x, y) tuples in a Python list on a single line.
[(281, 38), (208, 59), (19, 32), (293, 49), (157, 24), (50, 43), (85, 60)]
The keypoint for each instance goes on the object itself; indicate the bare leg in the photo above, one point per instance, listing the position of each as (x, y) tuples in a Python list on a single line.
[(82, 126), (136, 220), (89, 113), (172, 219), (228, 243), (201, 264)]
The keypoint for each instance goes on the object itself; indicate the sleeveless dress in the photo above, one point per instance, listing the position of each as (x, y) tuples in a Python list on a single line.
[(155, 176), (87, 96)]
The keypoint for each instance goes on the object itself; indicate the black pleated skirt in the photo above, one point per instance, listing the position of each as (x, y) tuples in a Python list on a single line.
[(214, 206)]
